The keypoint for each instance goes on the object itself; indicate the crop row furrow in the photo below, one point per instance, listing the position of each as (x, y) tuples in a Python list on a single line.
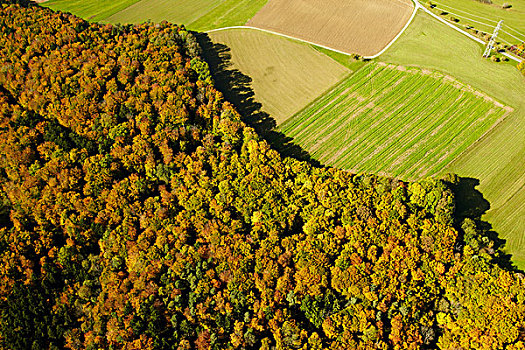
[(393, 124), (426, 149), (387, 119), (399, 109), (390, 144)]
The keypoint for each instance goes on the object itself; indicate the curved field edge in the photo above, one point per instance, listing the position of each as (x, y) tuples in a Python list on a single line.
[(360, 31), (393, 121), (282, 85), (497, 159)]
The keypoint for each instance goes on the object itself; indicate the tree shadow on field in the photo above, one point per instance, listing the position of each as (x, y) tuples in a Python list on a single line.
[(236, 88), (470, 208), (469, 201)]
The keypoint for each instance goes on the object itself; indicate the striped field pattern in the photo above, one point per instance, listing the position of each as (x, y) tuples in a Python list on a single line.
[(401, 122)]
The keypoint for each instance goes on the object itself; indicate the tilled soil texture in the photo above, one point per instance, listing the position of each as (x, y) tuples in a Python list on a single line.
[(364, 27)]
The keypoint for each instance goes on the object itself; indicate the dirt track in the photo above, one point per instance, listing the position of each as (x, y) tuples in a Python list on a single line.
[(359, 26)]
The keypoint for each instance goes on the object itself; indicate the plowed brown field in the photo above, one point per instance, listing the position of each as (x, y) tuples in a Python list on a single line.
[(364, 27)]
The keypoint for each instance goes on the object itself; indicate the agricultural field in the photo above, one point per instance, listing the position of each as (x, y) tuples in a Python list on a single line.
[(364, 27), (430, 44), (228, 13), (497, 160), (180, 12), (397, 122), (199, 15), (485, 17), (92, 10), (281, 84)]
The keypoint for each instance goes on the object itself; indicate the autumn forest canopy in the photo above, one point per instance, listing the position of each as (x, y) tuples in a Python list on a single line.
[(138, 211)]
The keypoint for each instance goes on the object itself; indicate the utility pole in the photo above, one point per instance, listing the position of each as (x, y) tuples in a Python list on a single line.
[(492, 40)]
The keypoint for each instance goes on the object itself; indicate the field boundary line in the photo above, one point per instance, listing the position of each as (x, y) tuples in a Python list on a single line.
[(452, 26), (279, 34), (483, 136), (470, 148), (416, 6), (328, 90), (324, 93)]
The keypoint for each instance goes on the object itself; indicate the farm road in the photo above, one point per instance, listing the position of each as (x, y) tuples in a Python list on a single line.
[(409, 21), (417, 5)]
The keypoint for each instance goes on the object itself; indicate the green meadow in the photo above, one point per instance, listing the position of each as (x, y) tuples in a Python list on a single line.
[(398, 122), (199, 15)]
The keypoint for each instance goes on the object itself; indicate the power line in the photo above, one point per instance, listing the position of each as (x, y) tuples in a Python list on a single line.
[(514, 30), (519, 39), (485, 24), (468, 13), (444, 8)]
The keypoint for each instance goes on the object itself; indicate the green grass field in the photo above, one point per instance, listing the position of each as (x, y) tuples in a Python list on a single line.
[(485, 16), (347, 61), (228, 13), (286, 74), (199, 15), (175, 11), (497, 161), (90, 9), (386, 120)]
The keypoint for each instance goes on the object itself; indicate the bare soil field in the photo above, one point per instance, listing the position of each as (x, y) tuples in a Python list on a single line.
[(364, 27)]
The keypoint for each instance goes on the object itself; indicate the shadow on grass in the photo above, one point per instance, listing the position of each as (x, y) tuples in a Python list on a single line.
[(236, 88), (470, 208), (470, 203)]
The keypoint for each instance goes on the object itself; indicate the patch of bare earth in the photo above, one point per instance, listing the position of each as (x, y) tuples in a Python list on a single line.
[(364, 27)]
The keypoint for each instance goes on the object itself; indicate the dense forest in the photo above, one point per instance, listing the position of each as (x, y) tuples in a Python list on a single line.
[(138, 211)]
